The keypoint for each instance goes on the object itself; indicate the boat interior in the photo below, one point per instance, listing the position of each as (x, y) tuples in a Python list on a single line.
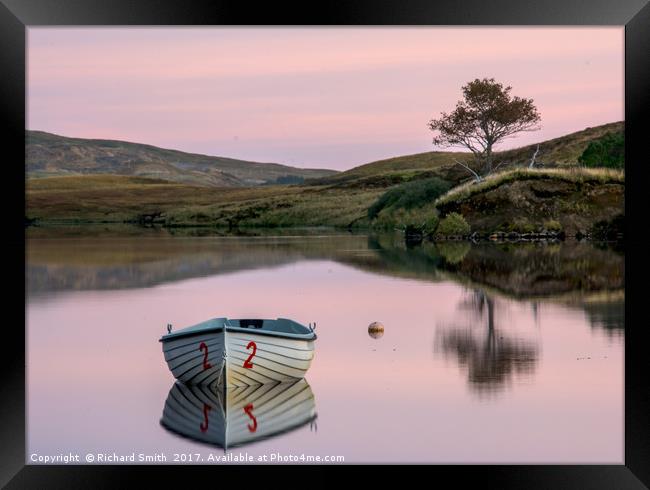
[(281, 325)]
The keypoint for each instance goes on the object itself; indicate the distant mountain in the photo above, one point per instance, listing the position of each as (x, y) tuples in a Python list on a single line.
[(50, 155)]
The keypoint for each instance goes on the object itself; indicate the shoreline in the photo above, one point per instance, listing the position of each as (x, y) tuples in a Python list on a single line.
[(411, 239)]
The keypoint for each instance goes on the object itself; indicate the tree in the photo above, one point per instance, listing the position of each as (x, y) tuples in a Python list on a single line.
[(487, 115), (608, 151)]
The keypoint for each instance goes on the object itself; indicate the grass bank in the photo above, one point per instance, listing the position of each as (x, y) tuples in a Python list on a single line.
[(573, 201), (120, 199), (569, 174)]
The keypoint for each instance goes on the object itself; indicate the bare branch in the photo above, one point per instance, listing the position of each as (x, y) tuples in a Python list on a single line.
[(495, 168), (532, 160), (477, 177)]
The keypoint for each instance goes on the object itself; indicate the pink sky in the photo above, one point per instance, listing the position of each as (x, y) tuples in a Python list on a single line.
[(312, 97)]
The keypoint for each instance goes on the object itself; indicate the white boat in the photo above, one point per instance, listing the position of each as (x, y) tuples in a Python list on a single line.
[(248, 414), (195, 355), (240, 352)]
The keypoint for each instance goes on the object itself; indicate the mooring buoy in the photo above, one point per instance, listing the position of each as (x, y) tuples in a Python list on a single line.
[(375, 330)]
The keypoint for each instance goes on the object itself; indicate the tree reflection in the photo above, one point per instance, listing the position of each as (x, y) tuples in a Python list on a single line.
[(609, 317), (491, 357)]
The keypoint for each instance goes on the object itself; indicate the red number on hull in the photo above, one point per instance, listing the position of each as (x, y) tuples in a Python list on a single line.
[(247, 363), (249, 411), (204, 424), (206, 364)]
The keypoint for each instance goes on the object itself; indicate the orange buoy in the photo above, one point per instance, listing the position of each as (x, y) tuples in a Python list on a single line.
[(375, 330)]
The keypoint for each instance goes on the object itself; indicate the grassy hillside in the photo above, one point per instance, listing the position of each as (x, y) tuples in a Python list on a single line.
[(562, 151), (338, 200), (557, 152), (109, 198), (52, 155), (572, 200)]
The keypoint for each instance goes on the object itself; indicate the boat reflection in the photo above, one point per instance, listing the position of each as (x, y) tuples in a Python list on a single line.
[(248, 413), (491, 355)]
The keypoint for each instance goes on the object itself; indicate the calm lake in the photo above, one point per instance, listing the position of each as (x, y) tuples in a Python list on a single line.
[(492, 353)]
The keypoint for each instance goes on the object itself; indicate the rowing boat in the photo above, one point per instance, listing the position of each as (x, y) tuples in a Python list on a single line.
[(239, 352)]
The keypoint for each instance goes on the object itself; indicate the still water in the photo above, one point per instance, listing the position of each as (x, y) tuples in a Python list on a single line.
[(492, 353)]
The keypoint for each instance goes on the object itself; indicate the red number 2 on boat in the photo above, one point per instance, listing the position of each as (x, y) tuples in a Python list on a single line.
[(204, 424), (247, 363), (206, 364), (249, 411)]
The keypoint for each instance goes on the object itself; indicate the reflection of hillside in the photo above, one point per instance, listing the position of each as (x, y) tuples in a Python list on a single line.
[(538, 269), (111, 261), (608, 316), (389, 255), (489, 354), (114, 263)]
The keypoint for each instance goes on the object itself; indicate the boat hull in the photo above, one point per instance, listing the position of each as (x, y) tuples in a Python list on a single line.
[(255, 358), (196, 359), (230, 353)]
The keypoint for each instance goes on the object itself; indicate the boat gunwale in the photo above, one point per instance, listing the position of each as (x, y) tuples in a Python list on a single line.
[(181, 333), (286, 335), (309, 336)]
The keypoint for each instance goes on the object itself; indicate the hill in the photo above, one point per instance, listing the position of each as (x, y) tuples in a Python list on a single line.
[(557, 152), (337, 200), (50, 155)]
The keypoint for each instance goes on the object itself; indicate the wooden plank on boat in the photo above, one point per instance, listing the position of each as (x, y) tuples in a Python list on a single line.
[(199, 368), (276, 348), (270, 359), (267, 366), (288, 343), (175, 343), (172, 354), (198, 350)]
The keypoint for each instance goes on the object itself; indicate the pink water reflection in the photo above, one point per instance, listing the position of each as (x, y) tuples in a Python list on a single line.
[(97, 380)]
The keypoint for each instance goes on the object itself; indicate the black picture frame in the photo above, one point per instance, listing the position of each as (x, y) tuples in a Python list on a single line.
[(17, 15)]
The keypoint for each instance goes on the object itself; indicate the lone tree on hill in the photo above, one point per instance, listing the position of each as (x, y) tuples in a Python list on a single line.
[(487, 115)]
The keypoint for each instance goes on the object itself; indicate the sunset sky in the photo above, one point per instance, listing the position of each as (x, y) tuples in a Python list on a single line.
[(310, 97)]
